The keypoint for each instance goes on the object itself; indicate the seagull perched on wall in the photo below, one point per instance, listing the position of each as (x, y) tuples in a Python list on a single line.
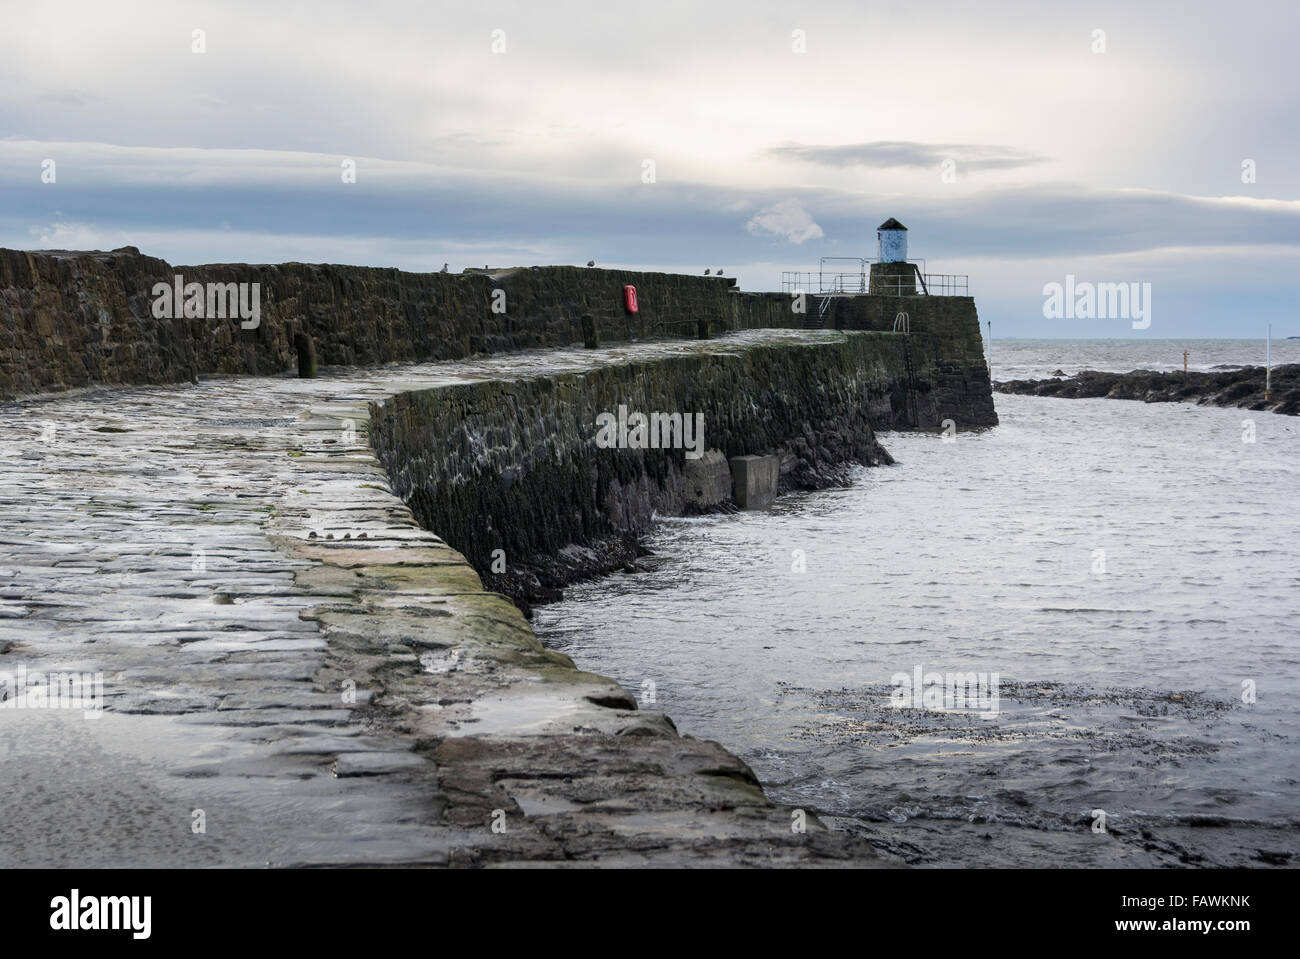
[(718, 271), (706, 272), (444, 268), (591, 263)]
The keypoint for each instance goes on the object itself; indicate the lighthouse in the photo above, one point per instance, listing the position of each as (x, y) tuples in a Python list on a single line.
[(891, 237), (891, 274)]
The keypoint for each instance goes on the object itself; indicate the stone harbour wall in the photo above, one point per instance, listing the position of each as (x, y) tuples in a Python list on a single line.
[(950, 374), (514, 465), (70, 319), (464, 714)]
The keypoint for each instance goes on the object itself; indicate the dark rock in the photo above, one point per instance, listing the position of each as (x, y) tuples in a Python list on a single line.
[(1242, 387)]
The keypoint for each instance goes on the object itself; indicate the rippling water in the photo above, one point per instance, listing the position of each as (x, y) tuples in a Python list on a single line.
[(1123, 568)]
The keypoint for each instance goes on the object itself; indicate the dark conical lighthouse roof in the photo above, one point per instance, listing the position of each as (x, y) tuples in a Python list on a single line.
[(891, 224)]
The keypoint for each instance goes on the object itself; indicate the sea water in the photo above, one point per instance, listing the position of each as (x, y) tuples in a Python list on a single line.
[(1128, 573)]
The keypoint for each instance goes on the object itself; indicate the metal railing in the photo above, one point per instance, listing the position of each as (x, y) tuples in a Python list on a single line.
[(921, 284), (856, 284), (947, 284), (824, 284)]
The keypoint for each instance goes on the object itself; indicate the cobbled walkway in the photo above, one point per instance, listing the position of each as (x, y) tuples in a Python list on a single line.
[(294, 672)]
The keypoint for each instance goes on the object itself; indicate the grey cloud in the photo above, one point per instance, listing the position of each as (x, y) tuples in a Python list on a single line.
[(908, 153), (420, 225), (679, 222)]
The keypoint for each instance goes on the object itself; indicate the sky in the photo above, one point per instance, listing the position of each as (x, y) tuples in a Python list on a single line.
[(1020, 142)]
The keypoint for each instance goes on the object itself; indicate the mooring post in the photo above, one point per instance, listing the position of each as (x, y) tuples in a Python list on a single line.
[(590, 335), (702, 329)]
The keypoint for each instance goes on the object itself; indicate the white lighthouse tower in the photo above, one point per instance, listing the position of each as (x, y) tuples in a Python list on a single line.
[(891, 274), (892, 237)]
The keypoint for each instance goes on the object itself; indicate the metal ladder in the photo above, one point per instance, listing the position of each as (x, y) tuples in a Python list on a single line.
[(913, 411), (903, 324)]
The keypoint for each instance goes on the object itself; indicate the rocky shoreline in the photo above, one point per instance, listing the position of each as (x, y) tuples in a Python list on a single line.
[(1242, 387)]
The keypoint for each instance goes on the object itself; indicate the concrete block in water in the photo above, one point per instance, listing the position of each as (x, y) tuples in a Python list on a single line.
[(707, 479), (306, 347), (754, 480)]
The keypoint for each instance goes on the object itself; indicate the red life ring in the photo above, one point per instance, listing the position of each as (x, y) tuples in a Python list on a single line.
[(629, 298)]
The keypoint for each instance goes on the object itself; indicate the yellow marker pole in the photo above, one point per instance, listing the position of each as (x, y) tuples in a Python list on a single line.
[(1268, 364)]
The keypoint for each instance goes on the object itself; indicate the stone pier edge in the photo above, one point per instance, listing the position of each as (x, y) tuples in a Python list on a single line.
[(519, 734)]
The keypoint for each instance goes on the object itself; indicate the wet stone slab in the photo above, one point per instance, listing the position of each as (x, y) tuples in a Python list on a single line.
[(293, 672)]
